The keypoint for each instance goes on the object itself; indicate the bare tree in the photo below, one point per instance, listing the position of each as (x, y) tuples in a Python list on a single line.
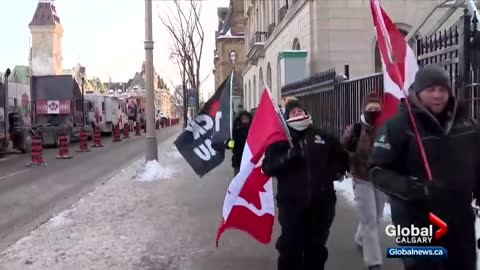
[(185, 29)]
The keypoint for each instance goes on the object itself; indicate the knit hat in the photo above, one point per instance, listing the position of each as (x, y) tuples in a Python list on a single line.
[(429, 76), (290, 104)]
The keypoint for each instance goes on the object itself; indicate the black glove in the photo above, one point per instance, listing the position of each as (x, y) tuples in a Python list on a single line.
[(420, 189), (294, 153)]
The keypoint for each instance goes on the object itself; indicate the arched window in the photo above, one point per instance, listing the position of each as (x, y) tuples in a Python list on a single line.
[(249, 94), (261, 84), (296, 44), (378, 60), (269, 76), (254, 95)]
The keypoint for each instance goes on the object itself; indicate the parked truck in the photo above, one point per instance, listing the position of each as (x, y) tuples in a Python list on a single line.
[(58, 108), (104, 111), (15, 131)]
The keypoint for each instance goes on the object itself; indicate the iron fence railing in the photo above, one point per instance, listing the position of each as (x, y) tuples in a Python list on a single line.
[(335, 104)]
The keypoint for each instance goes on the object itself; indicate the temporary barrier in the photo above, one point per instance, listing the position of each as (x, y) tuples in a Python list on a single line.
[(37, 149), (116, 133), (138, 131), (97, 137), (83, 141), (63, 151), (126, 131)]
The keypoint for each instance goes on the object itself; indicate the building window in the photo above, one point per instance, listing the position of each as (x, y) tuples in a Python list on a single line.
[(249, 94), (296, 44), (269, 76), (254, 96), (260, 79)]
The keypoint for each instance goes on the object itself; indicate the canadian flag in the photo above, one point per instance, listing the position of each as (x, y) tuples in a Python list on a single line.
[(399, 63), (249, 204)]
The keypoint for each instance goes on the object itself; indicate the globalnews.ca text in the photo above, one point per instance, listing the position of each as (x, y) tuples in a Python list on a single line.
[(400, 252)]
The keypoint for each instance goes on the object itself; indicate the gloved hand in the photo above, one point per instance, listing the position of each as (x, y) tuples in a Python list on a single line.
[(420, 189), (229, 144), (294, 153)]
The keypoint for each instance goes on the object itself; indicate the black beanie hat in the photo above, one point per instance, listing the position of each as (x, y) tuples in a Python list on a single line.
[(290, 104), (431, 75)]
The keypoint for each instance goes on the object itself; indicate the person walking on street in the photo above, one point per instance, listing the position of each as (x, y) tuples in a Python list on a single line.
[(451, 140), (358, 140), (306, 197), (240, 132)]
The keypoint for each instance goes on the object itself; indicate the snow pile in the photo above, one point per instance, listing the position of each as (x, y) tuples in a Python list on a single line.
[(61, 219), (345, 189), (152, 171), (173, 153)]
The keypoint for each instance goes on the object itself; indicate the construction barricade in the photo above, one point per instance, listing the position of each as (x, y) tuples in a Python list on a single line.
[(37, 152), (63, 150), (97, 137), (83, 141), (116, 133)]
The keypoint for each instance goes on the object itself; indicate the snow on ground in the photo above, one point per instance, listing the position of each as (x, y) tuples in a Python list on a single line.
[(106, 229), (153, 171)]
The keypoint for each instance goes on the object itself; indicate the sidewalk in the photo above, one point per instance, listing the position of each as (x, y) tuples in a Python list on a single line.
[(168, 224)]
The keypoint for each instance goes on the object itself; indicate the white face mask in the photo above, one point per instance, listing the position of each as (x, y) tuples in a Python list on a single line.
[(300, 123)]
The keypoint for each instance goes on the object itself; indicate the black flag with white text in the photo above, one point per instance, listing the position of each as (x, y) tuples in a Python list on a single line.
[(211, 127)]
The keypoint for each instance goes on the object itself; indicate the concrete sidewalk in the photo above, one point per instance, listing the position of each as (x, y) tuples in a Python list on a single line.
[(166, 224)]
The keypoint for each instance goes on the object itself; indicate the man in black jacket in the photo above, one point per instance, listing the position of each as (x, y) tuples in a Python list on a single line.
[(451, 142), (306, 197), (240, 132)]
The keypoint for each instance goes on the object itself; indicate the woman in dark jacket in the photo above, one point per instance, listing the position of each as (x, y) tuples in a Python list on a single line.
[(306, 197)]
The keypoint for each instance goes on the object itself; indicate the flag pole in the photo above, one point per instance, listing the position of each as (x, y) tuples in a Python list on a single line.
[(396, 73)]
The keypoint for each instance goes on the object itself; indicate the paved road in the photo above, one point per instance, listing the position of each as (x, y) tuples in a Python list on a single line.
[(30, 196), (169, 224)]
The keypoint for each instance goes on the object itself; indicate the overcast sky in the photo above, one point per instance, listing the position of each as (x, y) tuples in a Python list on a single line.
[(105, 36)]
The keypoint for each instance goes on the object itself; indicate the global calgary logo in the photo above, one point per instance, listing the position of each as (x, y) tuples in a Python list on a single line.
[(416, 235)]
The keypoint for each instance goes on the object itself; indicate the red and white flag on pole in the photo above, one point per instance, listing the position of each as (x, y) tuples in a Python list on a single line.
[(399, 63), (249, 204)]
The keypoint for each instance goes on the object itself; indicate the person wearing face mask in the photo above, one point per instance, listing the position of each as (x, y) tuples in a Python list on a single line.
[(306, 198), (239, 137), (451, 140), (358, 140)]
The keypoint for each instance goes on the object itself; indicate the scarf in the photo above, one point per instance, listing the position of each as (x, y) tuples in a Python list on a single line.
[(300, 123)]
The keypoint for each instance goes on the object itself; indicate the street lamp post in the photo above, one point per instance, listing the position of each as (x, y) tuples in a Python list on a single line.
[(151, 140)]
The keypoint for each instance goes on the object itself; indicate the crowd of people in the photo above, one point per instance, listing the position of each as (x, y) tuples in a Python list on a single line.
[(385, 163)]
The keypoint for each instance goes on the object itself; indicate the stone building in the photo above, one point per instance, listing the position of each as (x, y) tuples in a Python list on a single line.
[(230, 38), (314, 36), (46, 41)]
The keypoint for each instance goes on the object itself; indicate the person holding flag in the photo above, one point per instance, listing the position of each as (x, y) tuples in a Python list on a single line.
[(426, 155), (452, 142), (306, 169)]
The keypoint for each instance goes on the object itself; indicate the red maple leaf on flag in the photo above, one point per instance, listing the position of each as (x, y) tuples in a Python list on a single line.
[(253, 186)]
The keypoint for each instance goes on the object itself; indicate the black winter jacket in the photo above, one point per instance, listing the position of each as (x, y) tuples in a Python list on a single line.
[(305, 180), (453, 153)]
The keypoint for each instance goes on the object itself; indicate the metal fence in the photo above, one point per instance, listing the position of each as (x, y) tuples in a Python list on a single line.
[(334, 104)]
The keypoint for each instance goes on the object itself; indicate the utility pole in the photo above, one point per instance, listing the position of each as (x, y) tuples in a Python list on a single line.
[(151, 140)]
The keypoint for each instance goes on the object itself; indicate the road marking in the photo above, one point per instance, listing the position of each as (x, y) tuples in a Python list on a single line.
[(13, 174), (7, 158)]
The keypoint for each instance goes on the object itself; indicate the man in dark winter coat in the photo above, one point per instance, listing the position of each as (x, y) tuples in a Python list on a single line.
[(240, 132), (451, 142), (306, 197)]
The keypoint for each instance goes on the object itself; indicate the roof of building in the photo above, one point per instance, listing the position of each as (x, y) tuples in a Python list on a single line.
[(20, 74), (45, 15)]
